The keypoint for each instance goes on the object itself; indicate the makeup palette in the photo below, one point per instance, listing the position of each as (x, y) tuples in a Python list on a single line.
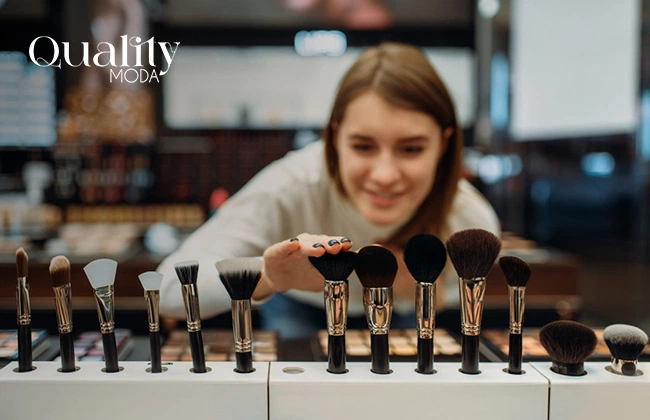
[(9, 344), (88, 346)]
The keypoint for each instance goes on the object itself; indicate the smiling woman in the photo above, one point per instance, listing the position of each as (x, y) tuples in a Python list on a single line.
[(388, 168)]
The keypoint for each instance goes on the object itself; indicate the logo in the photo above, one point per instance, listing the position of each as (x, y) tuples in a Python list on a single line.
[(124, 71)]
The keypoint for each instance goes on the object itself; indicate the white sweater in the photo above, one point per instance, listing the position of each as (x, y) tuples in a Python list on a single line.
[(291, 196)]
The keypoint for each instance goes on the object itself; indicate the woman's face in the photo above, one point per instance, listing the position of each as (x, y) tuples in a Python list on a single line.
[(387, 157)]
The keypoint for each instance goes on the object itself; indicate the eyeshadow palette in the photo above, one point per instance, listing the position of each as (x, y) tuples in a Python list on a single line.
[(219, 346), (498, 342), (9, 344), (88, 347)]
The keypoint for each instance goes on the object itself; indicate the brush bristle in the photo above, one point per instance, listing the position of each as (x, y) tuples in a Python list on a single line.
[(516, 270), (187, 271), (101, 272), (377, 266), (425, 257), (240, 276), (337, 267), (473, 252), (60, 271), (151, 280), (625, 342), (22, 262), (568, 341)]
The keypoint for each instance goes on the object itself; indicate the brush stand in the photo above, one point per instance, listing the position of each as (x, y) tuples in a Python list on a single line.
[(600, 394), (305, 390), (133, 393)]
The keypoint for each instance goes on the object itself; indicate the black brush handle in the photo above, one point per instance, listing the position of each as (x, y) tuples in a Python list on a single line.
[(336, 354), (425, 356), (470, 354), (515, 350), (244, 362), (154, 349), (66, 343), (25, 348), (198, 355), (110, 353), (379, 353)]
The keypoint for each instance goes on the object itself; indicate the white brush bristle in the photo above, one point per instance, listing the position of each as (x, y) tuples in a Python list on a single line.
[(151, 280), (101, 272)]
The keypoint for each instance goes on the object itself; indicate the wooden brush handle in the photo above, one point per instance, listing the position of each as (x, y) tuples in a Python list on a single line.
[(244, 362), (25, 348), (154, 349), (515, 354), (336, 354), (425, 356), (379, 353), (66, 343), (470, 354), (110, 352), (198, 354)]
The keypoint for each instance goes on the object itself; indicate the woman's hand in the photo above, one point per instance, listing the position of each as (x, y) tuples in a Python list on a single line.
[(286, 264)]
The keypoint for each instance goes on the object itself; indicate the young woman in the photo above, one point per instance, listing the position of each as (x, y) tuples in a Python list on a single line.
[(388, 167)]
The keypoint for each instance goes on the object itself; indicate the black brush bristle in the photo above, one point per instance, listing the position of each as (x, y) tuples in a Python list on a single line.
[(516, 270), (187, 271), (377, 266), (425, 257), (337, 267), (625, 342), (568, 342), (240, 276), (473, 252)]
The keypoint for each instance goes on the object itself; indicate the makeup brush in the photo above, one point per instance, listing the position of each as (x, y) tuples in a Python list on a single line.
[(188, 273), (101, 274), (240, 277), (569, 344), (151, 282), (376, 269), (425, 257), (60, 275), (517, 273), (472, 252), (625, 342), (24, 313), (336, 268)]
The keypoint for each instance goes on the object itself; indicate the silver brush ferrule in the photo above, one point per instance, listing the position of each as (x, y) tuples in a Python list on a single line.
[(242, 325), (425, 309), (191, 300), (23, 308), (378, 304), (471, 293), (617, 366), (63, 306), (516, 295), (152, 297), (336, 296), (105, 308)]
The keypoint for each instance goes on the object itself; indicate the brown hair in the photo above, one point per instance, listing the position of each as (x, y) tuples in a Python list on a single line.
[(402, 75)]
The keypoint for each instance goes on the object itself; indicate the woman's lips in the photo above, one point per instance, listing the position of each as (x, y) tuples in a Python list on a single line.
[(384, 199)]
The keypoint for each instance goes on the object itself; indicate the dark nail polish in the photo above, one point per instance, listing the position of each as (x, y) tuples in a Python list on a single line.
[(344, 240), (332, 242), (318, 245), (293, 239)]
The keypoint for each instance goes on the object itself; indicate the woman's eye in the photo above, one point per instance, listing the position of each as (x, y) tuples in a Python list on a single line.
[(412, 150), (362, 147)]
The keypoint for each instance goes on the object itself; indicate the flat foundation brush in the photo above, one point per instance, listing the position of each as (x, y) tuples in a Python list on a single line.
[(472, 252), (151, 282), (376, 269), (188, 273), (625, 342), (60, 275), (336, 268), (240, 277), (24, 313), (517, 273), (101, 274), (569, 344), (425, 257)]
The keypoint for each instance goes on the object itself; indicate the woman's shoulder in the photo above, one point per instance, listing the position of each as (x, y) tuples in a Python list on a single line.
[(472, 210)]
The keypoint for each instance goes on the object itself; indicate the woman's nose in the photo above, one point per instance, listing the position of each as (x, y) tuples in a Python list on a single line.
[(385, 171)]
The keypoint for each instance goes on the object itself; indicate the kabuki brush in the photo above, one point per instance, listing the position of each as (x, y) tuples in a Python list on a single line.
[(625, 342), (425, 257), (151, 282), (569, 344), (336, 268), (188, 273), (376, 269), (101, 274), (60, 275), (240, 277), (472, 252), (24, 314), (517, 273)]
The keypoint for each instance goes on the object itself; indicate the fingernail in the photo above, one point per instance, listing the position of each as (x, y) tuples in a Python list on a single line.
[(293, 239), (332, 242), (344, 240), (318, 246)]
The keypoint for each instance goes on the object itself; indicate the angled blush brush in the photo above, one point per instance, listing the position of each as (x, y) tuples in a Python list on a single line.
[(188, 273), (24, 314), (60, 275), (336, 268), (569, 344), (240, 277), (625, 342), (151, 282), (425, 257)]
